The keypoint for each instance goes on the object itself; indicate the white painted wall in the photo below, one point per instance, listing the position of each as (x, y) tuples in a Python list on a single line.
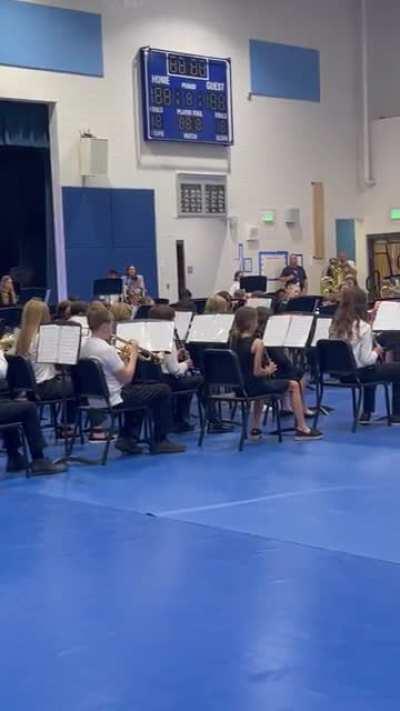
[(384, 57), (280, 146)]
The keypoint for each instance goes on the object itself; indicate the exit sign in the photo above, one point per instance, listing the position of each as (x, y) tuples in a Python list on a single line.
[(395, 213)]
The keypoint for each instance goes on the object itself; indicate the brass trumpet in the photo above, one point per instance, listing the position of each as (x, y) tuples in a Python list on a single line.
[(7, 342), (144, 355)]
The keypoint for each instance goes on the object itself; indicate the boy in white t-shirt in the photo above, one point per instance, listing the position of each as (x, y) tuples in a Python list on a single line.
[(123, 391)]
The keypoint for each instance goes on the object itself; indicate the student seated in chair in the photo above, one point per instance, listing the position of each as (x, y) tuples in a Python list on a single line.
[(123, 391), (176, 368), (257, 373), (12, 411)]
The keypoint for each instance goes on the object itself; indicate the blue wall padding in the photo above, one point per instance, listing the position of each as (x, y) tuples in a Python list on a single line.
[(346, 238), (50, 38), (284, 71), (108, 228)]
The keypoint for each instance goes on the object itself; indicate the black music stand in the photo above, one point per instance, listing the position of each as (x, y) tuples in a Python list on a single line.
[(253, 283), (11, 316), (107, 287), (303, 304), (34, 292)]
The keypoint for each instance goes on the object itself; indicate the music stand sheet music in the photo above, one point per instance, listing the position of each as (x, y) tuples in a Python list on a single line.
[(321, 332), (183, 320), (59, 344), (288, 331), (211, 328), (153, 336), (256, 302), (388, 316), (83, 322)]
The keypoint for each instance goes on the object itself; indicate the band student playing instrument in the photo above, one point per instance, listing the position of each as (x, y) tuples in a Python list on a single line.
[(177, 371), (257, 377), (8, 296), (123, 391), (350, 324)]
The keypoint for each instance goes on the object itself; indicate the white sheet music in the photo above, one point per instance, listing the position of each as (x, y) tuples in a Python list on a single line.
[(59, 344), (83, 322), (388, 316), (183, 320), (153, 336), (299, 331), (211, 328), (276, 330), (321, 330), (255, 303)]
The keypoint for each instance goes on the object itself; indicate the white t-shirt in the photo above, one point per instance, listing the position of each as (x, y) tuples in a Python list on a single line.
[(108, 356), (3, 366), (43, 371), (362, 345), (171, 366), (234, 288)]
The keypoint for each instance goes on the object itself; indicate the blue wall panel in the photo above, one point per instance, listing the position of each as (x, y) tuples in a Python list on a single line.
[(346, 238), (284, 71), (50, 38), (107, 228)]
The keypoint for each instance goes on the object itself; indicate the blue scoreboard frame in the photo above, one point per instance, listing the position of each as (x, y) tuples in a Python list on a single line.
[(186, 97)]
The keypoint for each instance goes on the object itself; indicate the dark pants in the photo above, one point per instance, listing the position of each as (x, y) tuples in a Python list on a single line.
[(389, 373), (56, 389), (157, 398), (182, 403), (26, 413)]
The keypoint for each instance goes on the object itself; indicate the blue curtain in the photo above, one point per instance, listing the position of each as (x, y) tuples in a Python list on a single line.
[(24, 124)]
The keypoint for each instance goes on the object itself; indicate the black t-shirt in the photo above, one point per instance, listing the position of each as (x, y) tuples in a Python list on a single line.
[(297, 273)]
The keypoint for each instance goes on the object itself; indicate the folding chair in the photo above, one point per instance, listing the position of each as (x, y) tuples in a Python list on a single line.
[(222, 371), (90, 383), (335, 358)]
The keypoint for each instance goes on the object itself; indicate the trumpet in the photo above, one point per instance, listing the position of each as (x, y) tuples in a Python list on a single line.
[(125, 350), (7, 342)]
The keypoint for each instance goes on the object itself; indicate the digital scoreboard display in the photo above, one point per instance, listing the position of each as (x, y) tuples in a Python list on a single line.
[(186, 98)]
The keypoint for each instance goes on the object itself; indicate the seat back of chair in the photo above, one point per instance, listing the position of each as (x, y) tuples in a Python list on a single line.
[(20, 375), (89, 380), (336, 358), (222, 368), (197, 350), (148, 371)]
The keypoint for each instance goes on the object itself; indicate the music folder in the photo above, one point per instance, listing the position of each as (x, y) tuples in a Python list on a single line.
[(183, 320), (388, 316), (288, 331), (153, 336), (59, 345), (321, 332), (210, 328)]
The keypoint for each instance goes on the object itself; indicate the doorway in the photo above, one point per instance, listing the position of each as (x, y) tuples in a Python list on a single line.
[(180, 266), (383, 261)]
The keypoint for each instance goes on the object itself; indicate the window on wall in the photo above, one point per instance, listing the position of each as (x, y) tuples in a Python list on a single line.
[(201, 195)]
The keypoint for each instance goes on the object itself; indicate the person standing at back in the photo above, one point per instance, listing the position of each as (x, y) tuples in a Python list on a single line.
[(294, 272)]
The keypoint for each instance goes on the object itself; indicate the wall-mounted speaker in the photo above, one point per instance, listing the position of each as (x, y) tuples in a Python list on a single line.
[(93, 156), (292, 216)]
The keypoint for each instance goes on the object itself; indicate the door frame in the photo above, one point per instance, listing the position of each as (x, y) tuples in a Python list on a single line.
[(180, 266)]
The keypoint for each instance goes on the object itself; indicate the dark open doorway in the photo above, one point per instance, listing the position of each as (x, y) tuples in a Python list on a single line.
[(180, 266), (27, 234), (383, 261)]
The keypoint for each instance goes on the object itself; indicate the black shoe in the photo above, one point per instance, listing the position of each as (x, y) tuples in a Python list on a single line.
[(167, 447), (128, 446), (395, 419), (286, 413), (183, 427), (307, 436), (41, 467), (17, 463), (219, 427), (365, 418)]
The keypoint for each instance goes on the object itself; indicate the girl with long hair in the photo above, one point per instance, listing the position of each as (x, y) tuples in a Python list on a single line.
[(350, 324), (258, 375), (49, 385), (8, 296)]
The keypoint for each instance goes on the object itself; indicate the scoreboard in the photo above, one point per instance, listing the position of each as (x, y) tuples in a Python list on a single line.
[(186, 97)]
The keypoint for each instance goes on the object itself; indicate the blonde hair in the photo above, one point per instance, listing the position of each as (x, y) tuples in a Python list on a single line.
[(216, 305), (8, 292), (35, 314), (121, 312)]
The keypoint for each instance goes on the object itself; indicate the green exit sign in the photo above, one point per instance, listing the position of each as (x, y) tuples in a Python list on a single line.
[(395, 213), (268, 217)]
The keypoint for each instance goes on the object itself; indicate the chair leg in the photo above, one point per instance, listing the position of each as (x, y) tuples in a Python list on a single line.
[(357, 402), (108, 441), (25, 450), (276, 409), (243, 435), (320, 394), (387, 403), (266, 413)]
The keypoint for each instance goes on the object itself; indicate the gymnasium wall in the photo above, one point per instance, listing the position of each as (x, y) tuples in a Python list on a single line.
[(383, 58), (281, 145)]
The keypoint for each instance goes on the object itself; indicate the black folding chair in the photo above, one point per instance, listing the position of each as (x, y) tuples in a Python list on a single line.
[(20, 429), (335, 358), (22, 382), (90, 383), (222, 371)]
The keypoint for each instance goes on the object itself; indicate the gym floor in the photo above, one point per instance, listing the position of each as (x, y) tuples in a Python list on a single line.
[(210, 581)]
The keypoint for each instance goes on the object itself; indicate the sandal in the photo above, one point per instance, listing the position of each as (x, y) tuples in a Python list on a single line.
[(255, 434)]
